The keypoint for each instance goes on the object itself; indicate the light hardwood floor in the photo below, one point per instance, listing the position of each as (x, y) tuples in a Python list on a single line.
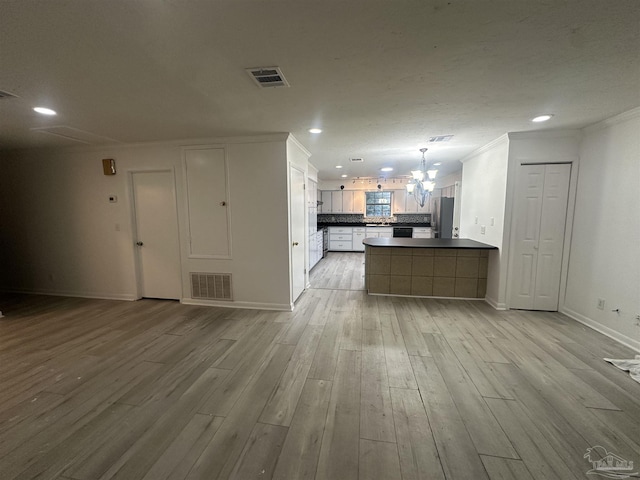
[(348, 386)]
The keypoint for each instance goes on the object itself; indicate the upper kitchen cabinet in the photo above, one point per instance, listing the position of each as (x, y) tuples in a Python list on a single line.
[(342, 201), (352, 201), (412, 206), (325, 195), (398, 201), (336, 202), (358, 202)]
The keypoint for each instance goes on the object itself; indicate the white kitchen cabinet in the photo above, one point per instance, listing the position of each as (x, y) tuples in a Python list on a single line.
[(358, 236), (347, 201), (340, 238), (384, 232), (336, 201), (342, 201), (398, 201), (358, 201), (422, 232), (413, 207), (326, 201), (315, 249), (379, 232)]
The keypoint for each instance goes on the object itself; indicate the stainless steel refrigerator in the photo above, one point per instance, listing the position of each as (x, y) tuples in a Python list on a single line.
[(446, 217)]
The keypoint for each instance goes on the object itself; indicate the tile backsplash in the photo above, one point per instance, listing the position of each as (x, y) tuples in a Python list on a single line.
[(420, 218)]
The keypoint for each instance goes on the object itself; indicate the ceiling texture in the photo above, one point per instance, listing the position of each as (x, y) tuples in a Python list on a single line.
[(378, 77)]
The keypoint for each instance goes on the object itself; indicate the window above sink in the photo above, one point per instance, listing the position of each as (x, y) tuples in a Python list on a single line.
[(377, 204)]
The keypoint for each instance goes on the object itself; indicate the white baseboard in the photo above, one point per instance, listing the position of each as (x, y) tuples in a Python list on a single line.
[(249, 305), (60, 293), (495, 304), (603, 329)]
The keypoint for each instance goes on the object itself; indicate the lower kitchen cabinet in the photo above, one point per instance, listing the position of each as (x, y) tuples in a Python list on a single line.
[(316, 244), (358, 236), (421, 232), (341, 239)]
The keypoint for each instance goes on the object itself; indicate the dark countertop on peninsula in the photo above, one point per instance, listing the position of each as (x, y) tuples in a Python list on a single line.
[(427, 243)]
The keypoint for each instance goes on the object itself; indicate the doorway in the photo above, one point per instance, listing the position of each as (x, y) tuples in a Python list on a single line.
[(156, 234), (540, 213), (298, 232)]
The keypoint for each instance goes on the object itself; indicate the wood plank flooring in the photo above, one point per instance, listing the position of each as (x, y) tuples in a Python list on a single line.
[(348, 386)]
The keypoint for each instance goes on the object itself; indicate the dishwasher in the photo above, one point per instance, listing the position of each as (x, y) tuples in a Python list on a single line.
[(402, 232)]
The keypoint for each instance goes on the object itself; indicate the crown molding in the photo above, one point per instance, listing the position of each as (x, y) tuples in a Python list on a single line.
[(297, 143), (492, 144), (620, 118)]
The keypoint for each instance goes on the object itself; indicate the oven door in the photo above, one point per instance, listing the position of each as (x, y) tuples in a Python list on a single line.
[(402, 232)]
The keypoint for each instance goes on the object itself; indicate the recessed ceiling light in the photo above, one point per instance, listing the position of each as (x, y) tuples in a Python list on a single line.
[(315, 130), (386, 169), (344, 176), (437, 164), (45, 111), (338, 166), (542, 118)]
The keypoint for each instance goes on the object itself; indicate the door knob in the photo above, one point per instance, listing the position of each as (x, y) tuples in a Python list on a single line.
[(295, 244), (139, 244)]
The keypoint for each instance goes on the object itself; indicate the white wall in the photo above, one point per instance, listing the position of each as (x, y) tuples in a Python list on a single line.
[(488, 187), (484, 189), (605, 246), (60, 234)]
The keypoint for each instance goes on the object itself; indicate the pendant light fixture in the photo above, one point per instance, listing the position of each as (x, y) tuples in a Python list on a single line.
[(422, 181)]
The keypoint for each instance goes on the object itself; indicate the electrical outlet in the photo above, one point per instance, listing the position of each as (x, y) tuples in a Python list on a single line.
[(483, 229), (600, 304)]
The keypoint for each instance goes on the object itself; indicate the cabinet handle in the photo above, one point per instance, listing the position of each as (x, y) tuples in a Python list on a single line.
[(223, 204), (295, 244)]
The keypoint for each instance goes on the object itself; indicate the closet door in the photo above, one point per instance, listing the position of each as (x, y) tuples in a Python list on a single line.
[(540, 216)]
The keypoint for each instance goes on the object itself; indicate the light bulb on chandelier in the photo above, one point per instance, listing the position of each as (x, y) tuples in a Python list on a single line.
[(417, 186)]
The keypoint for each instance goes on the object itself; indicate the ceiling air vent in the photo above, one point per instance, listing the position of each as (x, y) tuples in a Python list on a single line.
[(4, 94), (267, 77), (440, 138), (75, 134), (357, 160)]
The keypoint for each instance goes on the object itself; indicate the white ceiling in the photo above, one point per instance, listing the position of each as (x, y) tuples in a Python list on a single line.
[(379, 77)]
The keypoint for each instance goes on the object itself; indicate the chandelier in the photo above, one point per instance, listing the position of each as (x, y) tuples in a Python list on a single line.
[(422, 181)]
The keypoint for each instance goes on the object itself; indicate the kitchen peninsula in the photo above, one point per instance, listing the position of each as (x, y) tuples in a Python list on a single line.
[(426, 267)]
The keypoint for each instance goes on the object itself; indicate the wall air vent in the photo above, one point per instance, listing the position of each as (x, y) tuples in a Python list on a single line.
[(211, 286), (440, 138), (357, 160), (4, 94), (268, 77)]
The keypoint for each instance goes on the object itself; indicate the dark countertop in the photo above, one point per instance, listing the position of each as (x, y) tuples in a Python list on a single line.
[(427, 243)]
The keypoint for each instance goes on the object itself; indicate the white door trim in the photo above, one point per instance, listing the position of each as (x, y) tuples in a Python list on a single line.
[(134, 226), (568, 228), (303, 241)]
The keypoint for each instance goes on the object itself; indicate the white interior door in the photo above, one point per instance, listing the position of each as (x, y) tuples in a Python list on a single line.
[(298, 232), (551, 238), (156, 220), (540, 216)]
